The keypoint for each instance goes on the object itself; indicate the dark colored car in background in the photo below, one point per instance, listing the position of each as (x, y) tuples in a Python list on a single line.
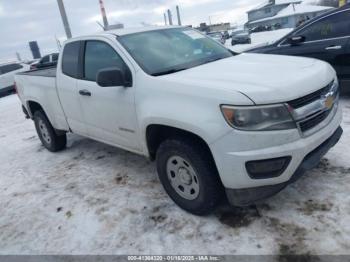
[(326, 37), (46, 61), (260, 28), (240, 37)]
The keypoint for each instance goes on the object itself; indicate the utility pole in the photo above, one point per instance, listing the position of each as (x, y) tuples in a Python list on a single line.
[(18, 56), (104, 16), (64, 18), (58, 43), (165, 19), (178, 15), (170, 17)]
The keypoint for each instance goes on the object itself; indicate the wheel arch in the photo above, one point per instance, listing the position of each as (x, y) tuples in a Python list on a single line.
[(32, 107), (157, 133)]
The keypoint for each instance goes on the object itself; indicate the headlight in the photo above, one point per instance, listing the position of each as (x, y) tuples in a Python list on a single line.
[(255, 118)]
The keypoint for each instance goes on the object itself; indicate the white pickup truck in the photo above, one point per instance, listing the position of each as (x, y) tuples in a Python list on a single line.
[(217, 123)]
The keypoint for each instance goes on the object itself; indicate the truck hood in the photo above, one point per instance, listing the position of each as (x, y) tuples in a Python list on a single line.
[(263, 78)]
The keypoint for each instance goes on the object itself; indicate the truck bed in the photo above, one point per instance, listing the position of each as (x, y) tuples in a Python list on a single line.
[(39, 86), (45, 72)]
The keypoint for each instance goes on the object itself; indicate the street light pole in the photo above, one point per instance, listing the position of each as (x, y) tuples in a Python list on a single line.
[(165, 19), (178, 15), (64, 18), (104, 16), (170, 17)]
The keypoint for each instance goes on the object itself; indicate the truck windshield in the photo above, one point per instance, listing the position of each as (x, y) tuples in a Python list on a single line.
[(167, 51)]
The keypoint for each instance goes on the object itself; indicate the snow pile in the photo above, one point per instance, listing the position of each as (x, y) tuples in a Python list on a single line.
[(277, 2)]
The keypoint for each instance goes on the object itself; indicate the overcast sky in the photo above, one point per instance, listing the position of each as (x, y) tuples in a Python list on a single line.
[(23, 21)]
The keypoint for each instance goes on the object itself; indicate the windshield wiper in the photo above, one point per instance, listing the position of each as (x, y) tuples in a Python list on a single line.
[(170, 71)]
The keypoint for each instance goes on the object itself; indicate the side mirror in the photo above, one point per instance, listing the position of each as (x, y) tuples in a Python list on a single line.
[(112, 76), (296, 40)]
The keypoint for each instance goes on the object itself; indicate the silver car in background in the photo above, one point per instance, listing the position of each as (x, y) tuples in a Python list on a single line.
[(217, 36), (7, 76)]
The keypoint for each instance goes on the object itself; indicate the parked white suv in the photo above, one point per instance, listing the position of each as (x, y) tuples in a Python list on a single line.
[(7, 76), (215, 121)]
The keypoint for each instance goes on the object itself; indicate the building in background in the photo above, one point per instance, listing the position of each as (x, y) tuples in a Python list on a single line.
[(214, 28), (276, 14)]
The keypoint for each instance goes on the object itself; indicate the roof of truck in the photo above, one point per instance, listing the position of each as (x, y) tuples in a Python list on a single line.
[(124, 31)]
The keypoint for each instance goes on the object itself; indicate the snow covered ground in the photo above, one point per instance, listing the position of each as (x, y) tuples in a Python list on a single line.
[(96, 199), (258, 39)]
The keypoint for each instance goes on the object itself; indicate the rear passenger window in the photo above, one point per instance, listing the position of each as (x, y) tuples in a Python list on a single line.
[(70, 59), (100, 55), (337, 25)]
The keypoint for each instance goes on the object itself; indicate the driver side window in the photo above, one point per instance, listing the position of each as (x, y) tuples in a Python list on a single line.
[(334, 26), (100, 55)]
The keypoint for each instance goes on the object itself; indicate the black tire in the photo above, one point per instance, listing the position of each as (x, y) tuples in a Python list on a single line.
[(50, 140), (210, 191)]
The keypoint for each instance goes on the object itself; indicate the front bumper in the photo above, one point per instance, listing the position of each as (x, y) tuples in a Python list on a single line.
[(232, 151), (247, 196)]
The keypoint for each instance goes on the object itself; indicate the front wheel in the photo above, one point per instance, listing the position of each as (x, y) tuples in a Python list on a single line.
[(189, 176), (47, 135)]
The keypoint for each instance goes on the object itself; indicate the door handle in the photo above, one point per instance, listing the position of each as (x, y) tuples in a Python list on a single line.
[(85, 92), (334, 47)]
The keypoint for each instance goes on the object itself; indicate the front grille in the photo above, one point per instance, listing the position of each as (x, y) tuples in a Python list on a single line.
[(313, 121), (300, 102), (311, 110)]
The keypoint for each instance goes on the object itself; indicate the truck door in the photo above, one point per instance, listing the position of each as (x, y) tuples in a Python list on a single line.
[(325, 39), (109, 112), (67, 89)]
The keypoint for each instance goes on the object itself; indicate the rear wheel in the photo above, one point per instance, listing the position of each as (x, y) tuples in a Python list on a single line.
[(189, 176), (48, 137)]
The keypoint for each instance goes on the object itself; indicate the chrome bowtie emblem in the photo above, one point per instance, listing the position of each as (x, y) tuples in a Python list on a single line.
[(329, 101)]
